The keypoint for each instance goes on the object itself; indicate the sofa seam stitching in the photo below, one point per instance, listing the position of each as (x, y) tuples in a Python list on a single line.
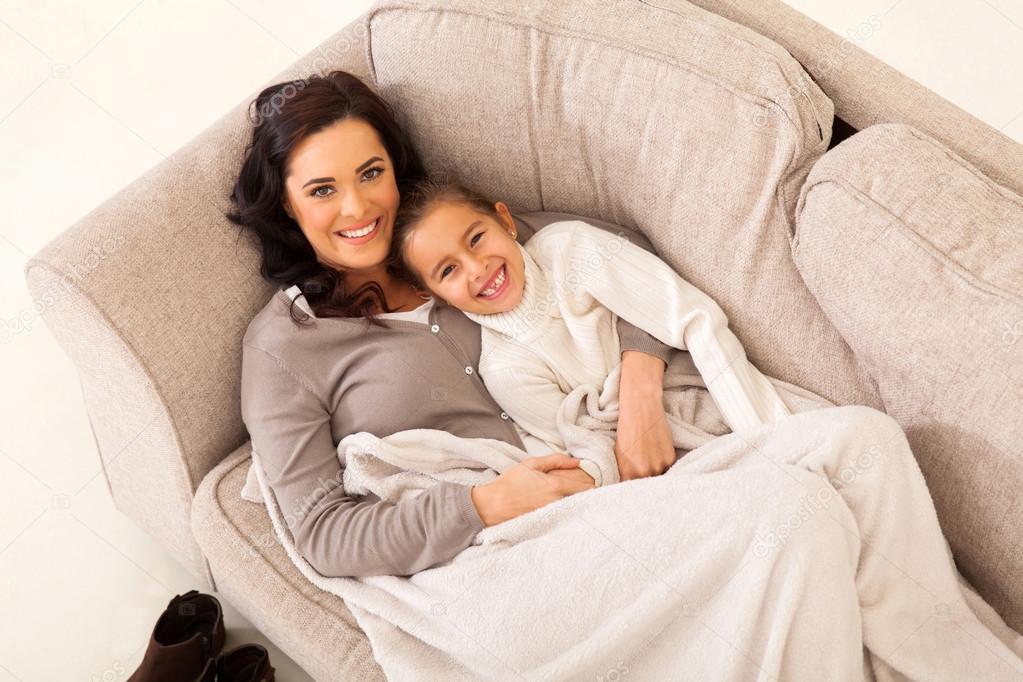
[(933, 251)]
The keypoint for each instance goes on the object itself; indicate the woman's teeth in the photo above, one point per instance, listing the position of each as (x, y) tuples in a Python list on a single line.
[(360, 232), (497, 284)]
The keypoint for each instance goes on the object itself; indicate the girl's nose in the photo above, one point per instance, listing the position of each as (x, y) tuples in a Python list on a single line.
[(477, 268)]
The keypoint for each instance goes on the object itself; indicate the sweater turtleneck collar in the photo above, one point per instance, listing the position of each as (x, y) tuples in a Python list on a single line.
[(529, 319)]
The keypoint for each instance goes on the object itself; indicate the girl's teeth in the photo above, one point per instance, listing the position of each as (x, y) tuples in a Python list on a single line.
[(497, 284), (360, 233)]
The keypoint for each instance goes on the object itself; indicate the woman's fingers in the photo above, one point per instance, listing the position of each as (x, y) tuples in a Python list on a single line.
[(555, 460), (573, 480)]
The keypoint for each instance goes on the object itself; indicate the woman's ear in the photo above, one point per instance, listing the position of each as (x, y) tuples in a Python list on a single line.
[(506, 218), (287, 207)]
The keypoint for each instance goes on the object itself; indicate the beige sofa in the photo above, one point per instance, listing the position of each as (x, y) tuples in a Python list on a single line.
[(895, 279)]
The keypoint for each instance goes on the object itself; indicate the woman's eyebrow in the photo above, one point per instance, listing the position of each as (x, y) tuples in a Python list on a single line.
[(361, 167), (367, 163), (473, 226)]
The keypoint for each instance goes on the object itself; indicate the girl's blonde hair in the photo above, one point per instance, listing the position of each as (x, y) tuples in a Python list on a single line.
[(418, 201)]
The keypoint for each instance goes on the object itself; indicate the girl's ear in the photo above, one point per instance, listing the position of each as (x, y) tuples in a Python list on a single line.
[(287, 207), (506, 218)]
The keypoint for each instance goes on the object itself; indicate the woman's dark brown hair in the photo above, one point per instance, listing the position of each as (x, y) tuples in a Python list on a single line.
[(282, 116), (418, 201)]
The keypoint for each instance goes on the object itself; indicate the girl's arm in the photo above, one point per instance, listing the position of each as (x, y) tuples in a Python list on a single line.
[(631, 337), (525, 387), (641, 288), (643, 443)]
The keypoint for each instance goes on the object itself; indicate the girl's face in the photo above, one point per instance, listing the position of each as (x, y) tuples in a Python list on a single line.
[(468, 258), (341, 190)]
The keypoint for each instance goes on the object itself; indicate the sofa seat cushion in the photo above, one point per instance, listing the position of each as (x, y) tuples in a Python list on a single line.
[(917, 258), (252, 570)]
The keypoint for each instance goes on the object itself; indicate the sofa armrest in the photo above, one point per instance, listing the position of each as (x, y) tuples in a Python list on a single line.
[(148, 473), (150, 295)]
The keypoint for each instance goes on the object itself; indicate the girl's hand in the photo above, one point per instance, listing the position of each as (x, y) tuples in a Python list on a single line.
[(643, 446), (529, 485)]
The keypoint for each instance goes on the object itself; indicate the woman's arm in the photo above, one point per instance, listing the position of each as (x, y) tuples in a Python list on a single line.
[(641, 288), (340, 535)]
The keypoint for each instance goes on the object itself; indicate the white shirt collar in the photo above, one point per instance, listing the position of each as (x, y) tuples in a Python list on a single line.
[(295, 294)]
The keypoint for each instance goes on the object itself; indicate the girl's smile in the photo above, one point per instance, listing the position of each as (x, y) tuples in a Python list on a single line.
[(497, 286)]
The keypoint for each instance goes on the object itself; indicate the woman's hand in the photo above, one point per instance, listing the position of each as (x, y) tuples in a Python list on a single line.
[(577, 475), (643, 446), (529, 485)]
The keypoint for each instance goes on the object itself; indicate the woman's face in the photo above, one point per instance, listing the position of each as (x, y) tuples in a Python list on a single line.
[(468, 258), (341, 190)]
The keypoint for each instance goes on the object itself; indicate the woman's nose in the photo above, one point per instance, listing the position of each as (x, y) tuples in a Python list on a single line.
[(353, 205)]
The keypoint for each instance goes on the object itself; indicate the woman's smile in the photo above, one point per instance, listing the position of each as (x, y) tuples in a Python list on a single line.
[(360, 233)]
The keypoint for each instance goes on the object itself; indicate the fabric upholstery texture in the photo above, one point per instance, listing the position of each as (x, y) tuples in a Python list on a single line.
[(917, 259)]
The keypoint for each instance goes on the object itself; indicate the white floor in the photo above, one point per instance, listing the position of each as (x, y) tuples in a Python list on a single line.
[(91, 98)]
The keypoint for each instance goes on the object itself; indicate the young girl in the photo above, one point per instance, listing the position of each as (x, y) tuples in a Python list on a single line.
[(549, 310)]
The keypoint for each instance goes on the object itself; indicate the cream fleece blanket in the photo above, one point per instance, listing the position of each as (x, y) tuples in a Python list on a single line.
[(408, 462), (803, 549)]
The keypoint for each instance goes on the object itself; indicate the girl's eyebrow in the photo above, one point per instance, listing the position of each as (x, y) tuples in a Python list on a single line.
[(465, 235)]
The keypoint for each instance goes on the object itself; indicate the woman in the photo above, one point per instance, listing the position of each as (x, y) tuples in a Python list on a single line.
[(319, 187)]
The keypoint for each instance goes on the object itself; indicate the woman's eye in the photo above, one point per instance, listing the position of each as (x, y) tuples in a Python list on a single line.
[(375, 171), (475, 239), (316, 192), (445, 271)]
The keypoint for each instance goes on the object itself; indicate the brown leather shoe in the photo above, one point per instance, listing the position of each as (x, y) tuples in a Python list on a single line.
[(187, 637), (245, 663)]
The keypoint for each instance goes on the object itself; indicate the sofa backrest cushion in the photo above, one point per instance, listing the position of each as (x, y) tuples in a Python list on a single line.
[(671, 119)]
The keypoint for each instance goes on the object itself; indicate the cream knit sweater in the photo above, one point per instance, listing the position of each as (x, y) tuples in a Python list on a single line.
[(578, 280)]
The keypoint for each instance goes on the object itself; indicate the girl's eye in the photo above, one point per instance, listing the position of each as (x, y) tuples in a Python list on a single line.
[(376, 170), (316, 192), (445, 271), (475, 238)]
